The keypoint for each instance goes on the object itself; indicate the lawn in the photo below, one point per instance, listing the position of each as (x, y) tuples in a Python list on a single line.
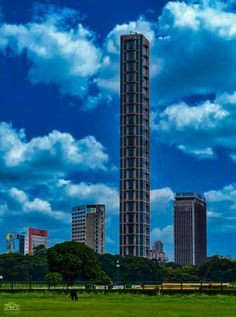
[(120, 305)]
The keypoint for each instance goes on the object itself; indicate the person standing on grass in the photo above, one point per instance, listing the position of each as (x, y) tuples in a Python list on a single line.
[(73, 294)]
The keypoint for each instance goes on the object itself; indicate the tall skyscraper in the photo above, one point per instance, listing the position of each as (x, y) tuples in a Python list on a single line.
[(190, 229), (134, 146), (88, 226)]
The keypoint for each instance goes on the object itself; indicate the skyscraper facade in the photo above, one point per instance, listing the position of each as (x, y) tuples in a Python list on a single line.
[(134, 146), (190, 243), (88, 226)]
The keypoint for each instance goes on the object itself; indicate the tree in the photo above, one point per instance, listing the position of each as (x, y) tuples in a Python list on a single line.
[(16, 267), (53, 279), (40, 250), (103, 279), (219, 270), (73, 260), (132, 268)]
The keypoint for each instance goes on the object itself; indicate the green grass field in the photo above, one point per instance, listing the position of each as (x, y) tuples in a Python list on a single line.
[(119, 305)]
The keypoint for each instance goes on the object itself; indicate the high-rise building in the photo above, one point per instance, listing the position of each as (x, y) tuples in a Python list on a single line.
[(158, 252), (158, 246), (34, 238), (190, 243), (88, 226), (134, 146)]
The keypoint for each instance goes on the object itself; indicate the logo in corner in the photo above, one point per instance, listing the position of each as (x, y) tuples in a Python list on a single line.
[(11, 308)]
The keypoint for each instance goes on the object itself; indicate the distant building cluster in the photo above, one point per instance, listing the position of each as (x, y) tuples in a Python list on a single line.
[(25, 243), (88, 221)]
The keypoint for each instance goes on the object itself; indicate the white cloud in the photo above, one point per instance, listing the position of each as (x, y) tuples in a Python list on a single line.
[(165, 235), (53, 155), (221, 208), (199, 129), (196, 49), (65, 58), (17, 202), (18, 195), (161, 200), (193, 46), (84, 193), (213, 214)]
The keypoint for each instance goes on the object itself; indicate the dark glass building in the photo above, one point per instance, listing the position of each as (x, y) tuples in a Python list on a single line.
[(134, 146), (190, 243)]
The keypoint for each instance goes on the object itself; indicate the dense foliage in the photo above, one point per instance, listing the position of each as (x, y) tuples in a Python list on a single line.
[(15, 267), (53, 278), (72, 261), (139, 269)]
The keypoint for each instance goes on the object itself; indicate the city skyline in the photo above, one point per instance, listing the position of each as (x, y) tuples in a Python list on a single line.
[(59, 119)]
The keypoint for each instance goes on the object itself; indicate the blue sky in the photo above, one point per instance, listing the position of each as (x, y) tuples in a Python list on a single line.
[(59, 112)]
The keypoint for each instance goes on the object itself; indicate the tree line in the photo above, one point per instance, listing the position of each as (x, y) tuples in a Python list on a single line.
[(73, 261)]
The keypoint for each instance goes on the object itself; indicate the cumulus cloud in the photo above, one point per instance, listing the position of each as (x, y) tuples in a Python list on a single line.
[(221, 224), (67, 58), (63, 52), (161, 199), (223, 200), (85, 193), (199, 129), (192, 47), (196, 49), (17, 202), (165, 235), (47, 157)]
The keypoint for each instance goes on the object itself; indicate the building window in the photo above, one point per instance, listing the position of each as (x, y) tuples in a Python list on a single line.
[(130, 56), (130, 141), (131, 87), (130, 44), (130, 195), (130, 184), (130, 76), (131, 228), (130, 206), (131, 66), (131, 98), (130, 218), (130, 119), (130, 173), (130, 163), (131, 108), (131, 152)]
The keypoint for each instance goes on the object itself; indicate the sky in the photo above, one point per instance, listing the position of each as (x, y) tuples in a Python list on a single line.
[(59, 113)]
